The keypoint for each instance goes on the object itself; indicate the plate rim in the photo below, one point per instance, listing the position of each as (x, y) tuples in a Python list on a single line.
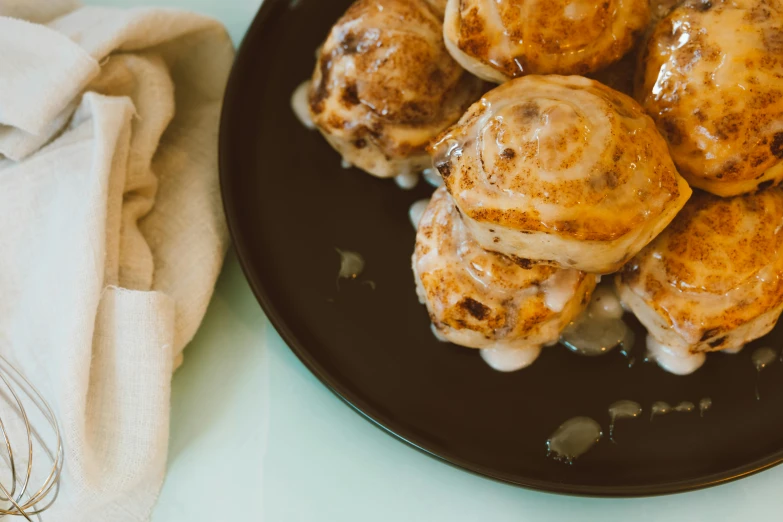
[(388, 425)]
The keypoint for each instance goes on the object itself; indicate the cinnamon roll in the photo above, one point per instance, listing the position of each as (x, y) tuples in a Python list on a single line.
[(480, 299), (502, 39), (713, 280), (560, 169), (384, 85), (712, 80)]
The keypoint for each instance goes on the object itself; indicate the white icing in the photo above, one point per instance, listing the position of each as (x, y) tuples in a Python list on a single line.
[(559, 289), (301, 106), (407, 180), (416, 211), (605, 303), (437, 333), (673, 360), (346, 164), (510, 359), (433, 177)]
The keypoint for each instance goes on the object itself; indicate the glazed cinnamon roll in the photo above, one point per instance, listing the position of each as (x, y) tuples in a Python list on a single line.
[(481, 299), (560, 169), (713, 82), (713, 280), (384, 85), (502, 39), (620, 75)]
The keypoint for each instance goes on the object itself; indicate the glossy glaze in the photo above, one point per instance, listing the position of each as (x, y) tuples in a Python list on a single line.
[(561, 169), (510, 359), (573, 438), (762, 358), (712, 280), (600, 328), (623, 409), (416, 211), (503, 39), (301, 105), (351, 264), (384, 85), (685, 407), (659, 408), (480, 299), (674, 359), (713, 82), (704, 405)]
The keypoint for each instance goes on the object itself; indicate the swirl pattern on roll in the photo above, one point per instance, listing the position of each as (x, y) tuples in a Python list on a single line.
[(384, 85), (560, 169), (503, 39), (481, 299), (712, 79), (713, 280)]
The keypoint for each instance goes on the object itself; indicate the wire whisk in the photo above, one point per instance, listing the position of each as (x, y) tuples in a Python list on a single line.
[(30, 459)]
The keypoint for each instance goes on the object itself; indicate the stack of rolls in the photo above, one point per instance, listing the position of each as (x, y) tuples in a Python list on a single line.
[(711, 76), (551, 180)]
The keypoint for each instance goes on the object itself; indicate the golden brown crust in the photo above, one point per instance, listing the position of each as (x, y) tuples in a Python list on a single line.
[(717, 267), (492, 296), (580, 160), (518, 37), (620, 75), (712, 78), (384, 79)]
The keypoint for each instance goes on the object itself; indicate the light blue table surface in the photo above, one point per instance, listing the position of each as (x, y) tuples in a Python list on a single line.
[(255, 436)]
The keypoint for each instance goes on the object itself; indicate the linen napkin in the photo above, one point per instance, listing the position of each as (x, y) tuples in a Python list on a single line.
[(111, 228)]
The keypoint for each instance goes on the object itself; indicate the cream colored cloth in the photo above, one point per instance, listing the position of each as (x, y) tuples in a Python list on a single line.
[(111, 228)]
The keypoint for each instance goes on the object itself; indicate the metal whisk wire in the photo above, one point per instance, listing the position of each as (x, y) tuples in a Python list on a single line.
[(22, 503)]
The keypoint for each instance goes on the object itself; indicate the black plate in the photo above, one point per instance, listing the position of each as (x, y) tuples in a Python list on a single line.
[(289, 204)]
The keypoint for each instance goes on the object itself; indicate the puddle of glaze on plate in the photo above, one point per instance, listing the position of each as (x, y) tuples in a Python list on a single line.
[(685, 407), (600, 329), (351, 264), (704, 405), (659, 408), (594, 336), (573, 439), (762, 357), (622, 410)]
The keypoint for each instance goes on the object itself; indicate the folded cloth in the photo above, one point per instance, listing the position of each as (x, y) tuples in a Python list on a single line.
[(111, 228)]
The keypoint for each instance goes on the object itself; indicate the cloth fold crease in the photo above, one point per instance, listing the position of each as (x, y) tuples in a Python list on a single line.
[(111, 228)]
